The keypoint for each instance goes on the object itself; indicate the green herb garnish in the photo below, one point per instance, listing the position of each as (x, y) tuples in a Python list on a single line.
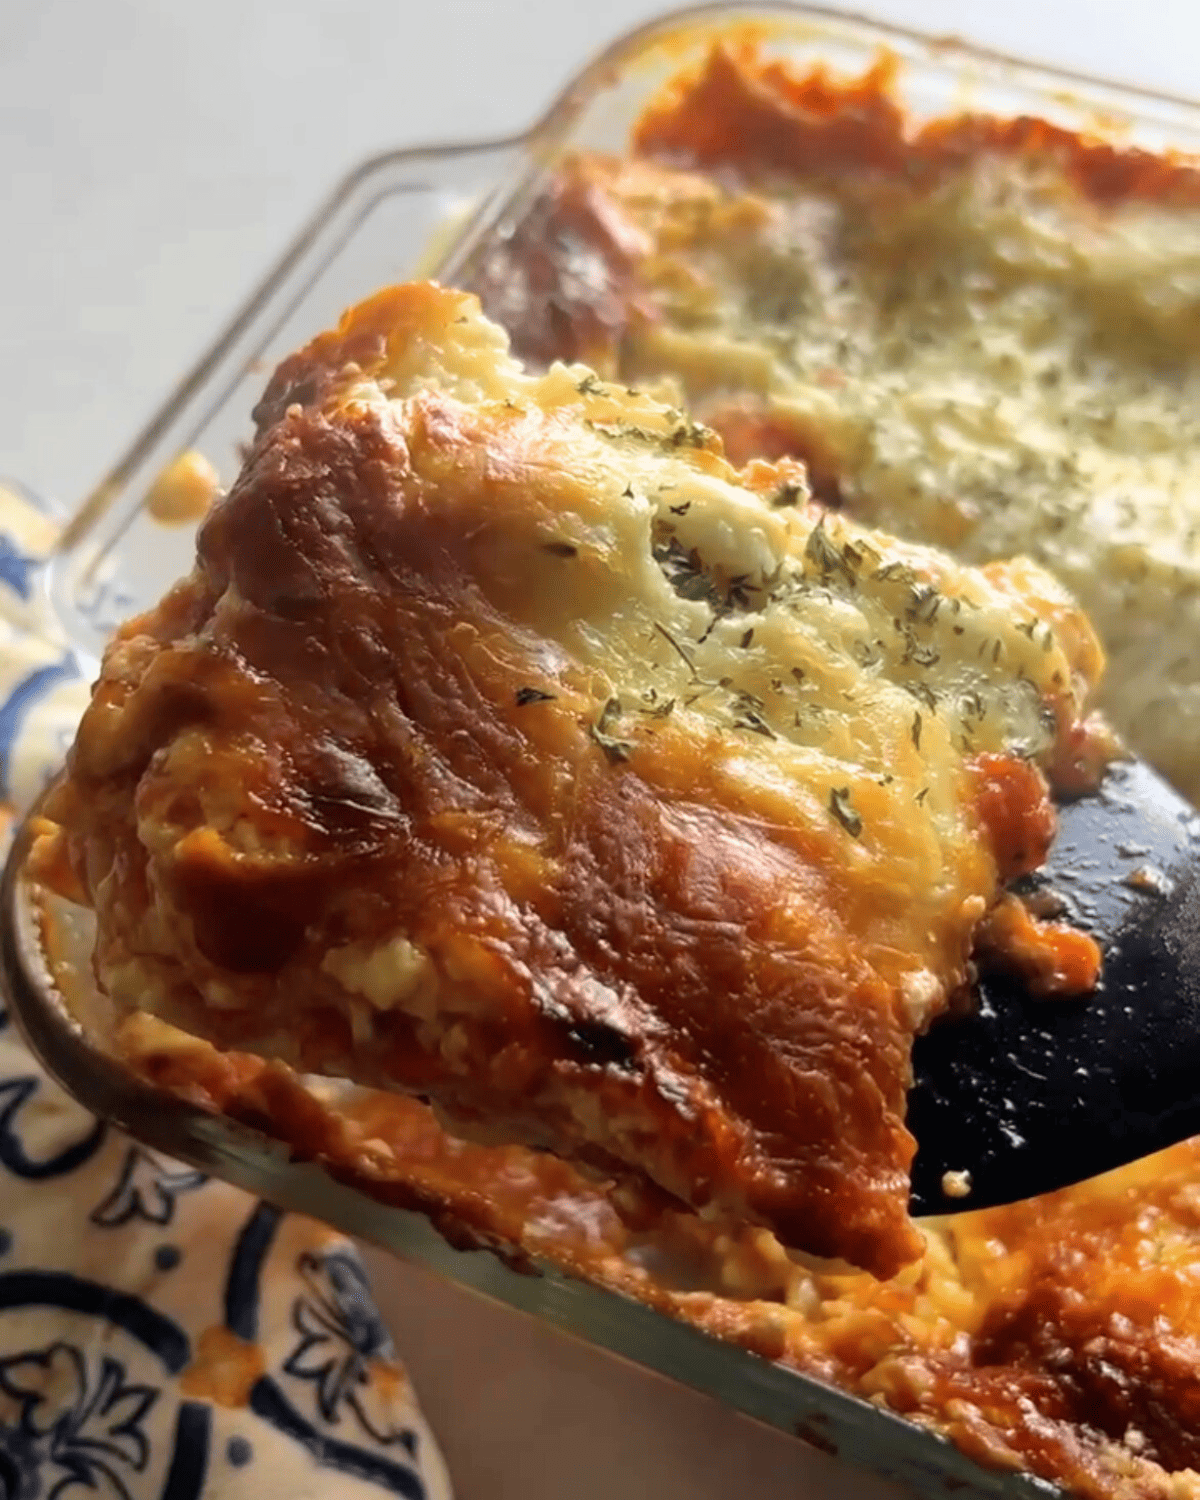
[(616, 750), (842, 809)]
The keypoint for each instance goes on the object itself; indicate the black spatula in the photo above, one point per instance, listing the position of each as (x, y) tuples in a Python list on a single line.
[(1031, 1094)]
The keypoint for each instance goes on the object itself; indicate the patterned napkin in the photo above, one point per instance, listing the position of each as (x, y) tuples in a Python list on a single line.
[(161, 1333)]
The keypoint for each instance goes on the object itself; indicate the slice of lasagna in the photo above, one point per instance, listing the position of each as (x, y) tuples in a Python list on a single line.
[(507, 747)]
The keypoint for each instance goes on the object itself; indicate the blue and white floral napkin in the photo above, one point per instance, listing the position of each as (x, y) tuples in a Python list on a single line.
[(163, 1336)]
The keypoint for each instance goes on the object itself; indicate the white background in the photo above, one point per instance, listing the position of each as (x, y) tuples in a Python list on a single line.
[(154, 158)]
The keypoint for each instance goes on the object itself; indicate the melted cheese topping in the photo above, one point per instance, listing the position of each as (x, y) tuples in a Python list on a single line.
[(985, 358), (836, 672)]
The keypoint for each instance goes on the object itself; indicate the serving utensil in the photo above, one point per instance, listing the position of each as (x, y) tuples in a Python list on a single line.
[(1030, 1094)]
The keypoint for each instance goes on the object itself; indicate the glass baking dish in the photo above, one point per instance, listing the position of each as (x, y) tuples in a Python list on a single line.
[(432, 212)]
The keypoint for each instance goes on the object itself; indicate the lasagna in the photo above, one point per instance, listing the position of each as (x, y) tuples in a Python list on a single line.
[(509, 748)]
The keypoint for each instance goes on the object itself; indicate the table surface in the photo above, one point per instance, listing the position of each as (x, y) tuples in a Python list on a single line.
[(156, 157)]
